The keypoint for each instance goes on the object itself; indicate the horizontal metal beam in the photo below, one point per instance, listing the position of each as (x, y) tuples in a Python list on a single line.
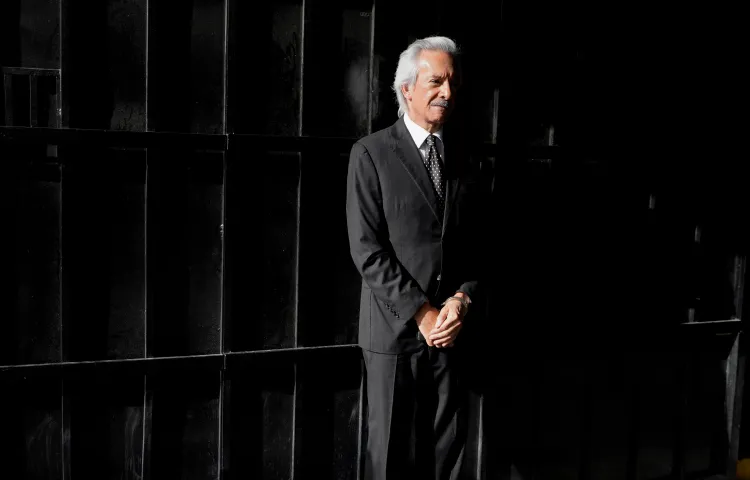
[(105, 138), (716, 327), (31, 71), (219, 361), (195, 141)]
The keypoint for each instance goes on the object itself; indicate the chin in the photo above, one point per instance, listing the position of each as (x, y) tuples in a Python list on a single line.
[(439, 119)]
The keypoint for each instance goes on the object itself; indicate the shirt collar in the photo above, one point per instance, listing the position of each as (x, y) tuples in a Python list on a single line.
[(419, 134)]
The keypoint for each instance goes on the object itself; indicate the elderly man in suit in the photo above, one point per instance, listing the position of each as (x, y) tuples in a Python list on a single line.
[(410, 208)]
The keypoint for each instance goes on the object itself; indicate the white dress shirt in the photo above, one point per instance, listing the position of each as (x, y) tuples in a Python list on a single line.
[(419, 135)]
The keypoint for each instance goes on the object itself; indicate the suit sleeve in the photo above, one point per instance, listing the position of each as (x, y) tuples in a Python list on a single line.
[(369, 242)]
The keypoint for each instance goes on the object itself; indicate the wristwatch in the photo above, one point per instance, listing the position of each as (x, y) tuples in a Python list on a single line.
[(464, 303)]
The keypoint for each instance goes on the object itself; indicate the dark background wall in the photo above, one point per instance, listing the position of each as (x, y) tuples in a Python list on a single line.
[(172, 182)]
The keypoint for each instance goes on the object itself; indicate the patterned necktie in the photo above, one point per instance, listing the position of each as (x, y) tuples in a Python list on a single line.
[(434, 166)]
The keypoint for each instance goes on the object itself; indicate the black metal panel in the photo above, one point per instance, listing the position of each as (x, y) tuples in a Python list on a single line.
[(31, 426), (719, 255), (336, 66), (21, 91), (182, 426), (327, 418), (555, 78), (48, 112), (104, 64), (260, 294), (32, 97), (30, 203), (30, 33), (258, 421), (103, 249), (560, 418), (709, 405), (104, 427), (658, 411), (670, 236), (610, 404), (186, 66), (326, 270), (267, 99), (279, 143), (184, 264), (706, 437), (474, 453)]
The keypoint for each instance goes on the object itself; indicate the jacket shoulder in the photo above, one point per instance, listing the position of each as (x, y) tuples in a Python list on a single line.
[(376, 141)]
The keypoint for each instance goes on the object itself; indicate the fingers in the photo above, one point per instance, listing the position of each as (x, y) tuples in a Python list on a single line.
[(450, 319), (445, 343), (446, 327), (445, 333), (441, 317)]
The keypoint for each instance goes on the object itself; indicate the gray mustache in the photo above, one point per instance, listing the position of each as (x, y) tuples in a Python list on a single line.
[(440, 103)]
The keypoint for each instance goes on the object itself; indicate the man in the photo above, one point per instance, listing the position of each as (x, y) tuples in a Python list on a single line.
[(410, 222)]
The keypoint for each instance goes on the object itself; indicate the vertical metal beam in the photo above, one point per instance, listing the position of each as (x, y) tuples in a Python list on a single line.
[(33, 99), (224, 70), (61, 261), (535, 423), (145, 71), (297, 251), (480, 440), (143, 427), (738, 282), (64, 432), (735, 379), (220, 439), (225, 406), (631, 469), (145, 263), (360, 423), (584, 465), (223, 247), (60, 57), (371, 68), (8, 89), (295, 405), (148, 406), (680, 417), (58, 105), (302, 68), (495, 112)]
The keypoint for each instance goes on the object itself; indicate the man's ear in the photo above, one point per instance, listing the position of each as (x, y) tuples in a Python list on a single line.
[(406, 92)]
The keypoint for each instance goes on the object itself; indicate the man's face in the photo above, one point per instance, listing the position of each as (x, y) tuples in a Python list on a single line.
[(430, 100)]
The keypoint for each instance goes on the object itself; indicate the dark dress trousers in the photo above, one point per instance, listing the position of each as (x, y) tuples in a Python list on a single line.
[(407, 255)]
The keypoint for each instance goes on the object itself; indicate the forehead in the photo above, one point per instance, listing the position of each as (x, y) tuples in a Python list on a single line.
[(435, 62)]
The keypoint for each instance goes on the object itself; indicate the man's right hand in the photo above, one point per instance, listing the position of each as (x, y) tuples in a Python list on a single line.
[(426, 318)]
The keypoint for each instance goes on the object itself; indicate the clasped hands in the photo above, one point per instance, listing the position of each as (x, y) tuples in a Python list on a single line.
[(441, 327)]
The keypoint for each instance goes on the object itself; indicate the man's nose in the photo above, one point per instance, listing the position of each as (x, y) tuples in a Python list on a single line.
[(445, 91)]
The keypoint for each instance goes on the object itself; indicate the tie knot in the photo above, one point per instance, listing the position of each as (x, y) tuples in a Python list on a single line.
[(431, 140)]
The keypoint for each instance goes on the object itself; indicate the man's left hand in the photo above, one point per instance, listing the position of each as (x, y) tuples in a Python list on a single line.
[(448, 325)]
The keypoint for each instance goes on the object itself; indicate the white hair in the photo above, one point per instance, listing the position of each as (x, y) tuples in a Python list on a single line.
[(408, 64)]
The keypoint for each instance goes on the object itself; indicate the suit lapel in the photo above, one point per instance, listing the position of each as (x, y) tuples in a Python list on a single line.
[(403, 146)]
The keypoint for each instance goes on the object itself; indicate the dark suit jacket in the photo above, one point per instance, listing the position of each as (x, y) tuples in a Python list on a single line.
[(404, 252)]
